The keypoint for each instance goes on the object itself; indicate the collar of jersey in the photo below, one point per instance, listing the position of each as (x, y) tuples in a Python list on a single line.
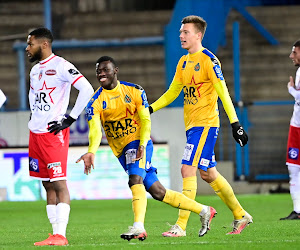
[(115, 89), (47, 59), (197, 52)]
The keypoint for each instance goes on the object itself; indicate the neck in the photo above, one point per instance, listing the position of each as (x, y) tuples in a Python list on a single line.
[(46, 54), (195, 48)]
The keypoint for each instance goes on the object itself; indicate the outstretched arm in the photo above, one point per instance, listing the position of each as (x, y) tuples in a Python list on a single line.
[(168, 97), (95, 135)]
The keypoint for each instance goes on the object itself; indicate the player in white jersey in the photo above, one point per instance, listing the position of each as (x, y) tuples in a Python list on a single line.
[(2, 98), (293, 145), (50, 84)]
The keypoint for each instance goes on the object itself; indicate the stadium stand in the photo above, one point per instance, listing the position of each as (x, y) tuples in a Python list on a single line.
[(264, 68)]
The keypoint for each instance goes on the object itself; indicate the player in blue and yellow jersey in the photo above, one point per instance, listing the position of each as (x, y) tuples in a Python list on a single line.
[(200, 77), (122, 109)]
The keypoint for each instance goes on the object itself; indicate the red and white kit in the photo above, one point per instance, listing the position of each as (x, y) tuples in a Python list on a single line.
[(49, 94), (293, 147)]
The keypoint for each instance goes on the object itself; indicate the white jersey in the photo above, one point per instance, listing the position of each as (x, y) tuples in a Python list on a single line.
[(49, 94), (295, 92), (2, 98)]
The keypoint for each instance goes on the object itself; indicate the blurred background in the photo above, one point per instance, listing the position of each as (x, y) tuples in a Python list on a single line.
[(252, 39)]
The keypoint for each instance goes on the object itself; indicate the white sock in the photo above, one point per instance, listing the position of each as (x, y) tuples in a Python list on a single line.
[(295, 186), (62, 218), (204, 210), (51, 213), (138, 225)]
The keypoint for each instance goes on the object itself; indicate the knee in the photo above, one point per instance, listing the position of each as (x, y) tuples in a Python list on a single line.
[(135, 179), (157, 192), (48, 186), (205, 176)]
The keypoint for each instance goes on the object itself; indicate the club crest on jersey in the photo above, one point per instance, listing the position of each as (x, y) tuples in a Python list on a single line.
[(127, 99), (50, 72), (40, 74), (184, 64), (197, 67), (293, 153)]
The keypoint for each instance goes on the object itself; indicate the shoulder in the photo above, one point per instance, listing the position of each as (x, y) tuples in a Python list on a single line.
[(95, 96), (210, 57), (132, 85)]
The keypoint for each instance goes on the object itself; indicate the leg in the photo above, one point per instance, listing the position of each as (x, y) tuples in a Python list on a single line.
[(223, 189), (294, 172), (58, 214), (51, 204), (180, 201), (63, 206), (139, 205)]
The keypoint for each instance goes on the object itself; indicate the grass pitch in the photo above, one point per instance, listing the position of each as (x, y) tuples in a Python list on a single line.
[(98, 224)]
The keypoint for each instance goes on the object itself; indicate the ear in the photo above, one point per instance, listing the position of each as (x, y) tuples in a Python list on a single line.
[(199, 34), (116, 70), (45, 44)]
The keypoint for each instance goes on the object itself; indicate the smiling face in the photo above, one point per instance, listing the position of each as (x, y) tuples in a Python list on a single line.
[(34, 49), (106, 74), (295, 55), (190, 38)]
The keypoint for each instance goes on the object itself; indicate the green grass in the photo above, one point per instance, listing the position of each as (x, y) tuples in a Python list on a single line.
[(98, 225)]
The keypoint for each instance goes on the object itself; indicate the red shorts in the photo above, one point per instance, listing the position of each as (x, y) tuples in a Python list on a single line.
[(293, 146), (48, 155)]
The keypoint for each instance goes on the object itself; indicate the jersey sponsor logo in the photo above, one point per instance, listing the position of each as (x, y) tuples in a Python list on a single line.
[(218, 72), (127, 99), (41, 101), (293, 153), (204, 162), (184, 64), (197, 67), (189, 95), (53, 164), (50, 72), (73, 72), (34, 165), (188, 150), (120, 129)]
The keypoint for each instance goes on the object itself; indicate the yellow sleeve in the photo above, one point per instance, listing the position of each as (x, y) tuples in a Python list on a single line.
[(95, 134), (145, 126), (168, 97), (223, 93)]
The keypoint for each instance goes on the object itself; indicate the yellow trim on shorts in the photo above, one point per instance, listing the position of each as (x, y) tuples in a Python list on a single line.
[(200, 146)]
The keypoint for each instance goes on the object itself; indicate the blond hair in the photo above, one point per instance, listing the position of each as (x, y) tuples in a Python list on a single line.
[(199, 23)]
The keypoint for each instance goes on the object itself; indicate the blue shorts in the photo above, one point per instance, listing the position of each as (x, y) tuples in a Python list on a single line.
[(199, 149), (142, 167)]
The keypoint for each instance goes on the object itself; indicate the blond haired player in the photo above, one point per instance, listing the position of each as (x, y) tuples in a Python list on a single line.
[(199, 76)]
